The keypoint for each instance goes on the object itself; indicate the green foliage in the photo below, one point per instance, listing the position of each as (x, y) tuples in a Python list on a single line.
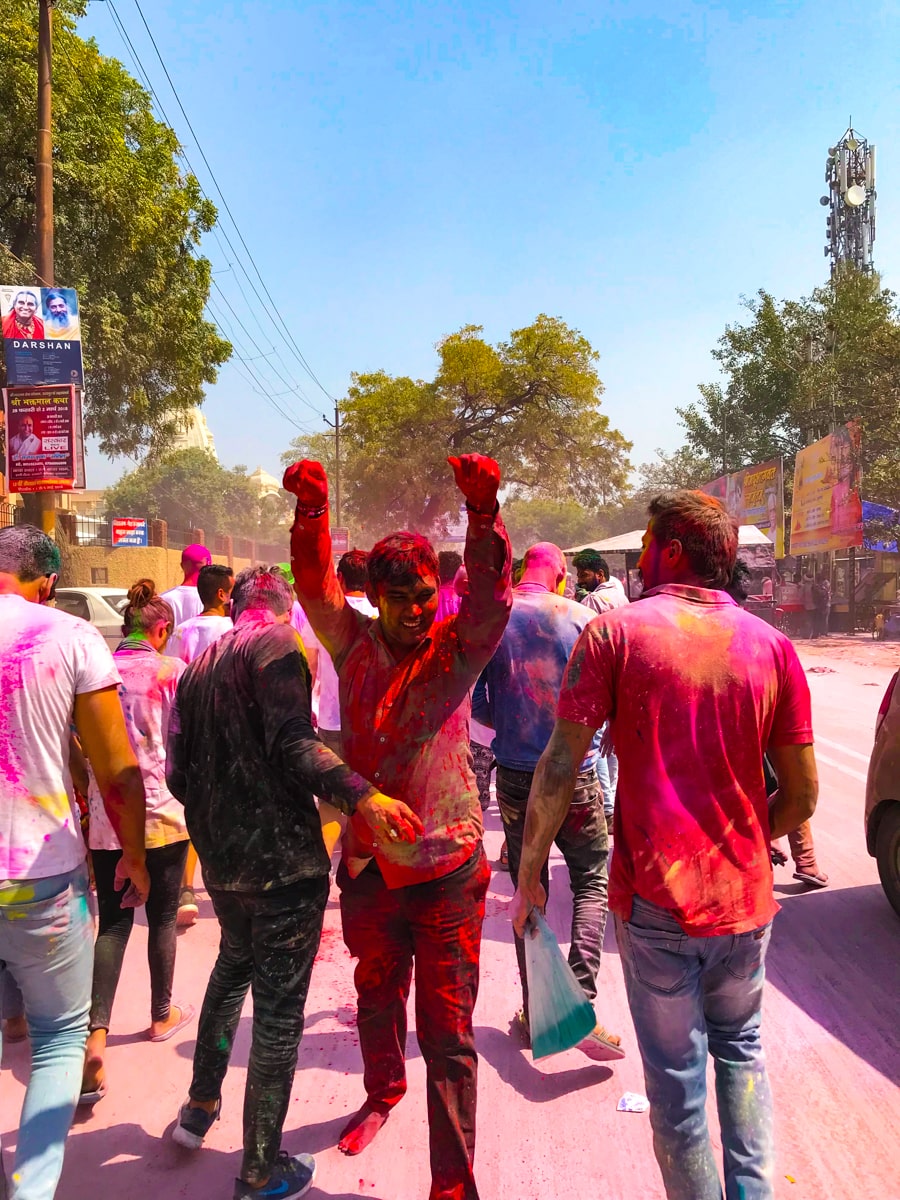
[(532, 402), (190, 490), (683, 468), (797, 368), (563, 522), (126, 224)]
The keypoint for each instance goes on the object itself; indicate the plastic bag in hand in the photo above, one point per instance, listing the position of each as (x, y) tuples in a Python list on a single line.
[(559, 1013)]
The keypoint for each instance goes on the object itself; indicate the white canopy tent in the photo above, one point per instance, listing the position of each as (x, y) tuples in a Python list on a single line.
[(630, 543)]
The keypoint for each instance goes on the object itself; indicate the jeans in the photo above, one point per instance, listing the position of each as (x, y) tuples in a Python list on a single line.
[(608, 774), (46, 941), (483, 763), (165, 865), (268, 941), (582, 838), (690, 996), (438, 924)]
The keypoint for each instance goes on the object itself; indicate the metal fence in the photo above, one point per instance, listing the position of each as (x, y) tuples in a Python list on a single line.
[(92, 531), (7, 515)]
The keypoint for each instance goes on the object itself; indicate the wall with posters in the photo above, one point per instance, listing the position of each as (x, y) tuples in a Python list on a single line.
[(755, 496), (827, 509)]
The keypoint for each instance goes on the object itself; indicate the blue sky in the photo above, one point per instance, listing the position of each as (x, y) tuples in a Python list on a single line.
[(400, 169)]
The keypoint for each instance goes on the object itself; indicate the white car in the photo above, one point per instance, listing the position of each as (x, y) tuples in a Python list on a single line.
[(102, 606)]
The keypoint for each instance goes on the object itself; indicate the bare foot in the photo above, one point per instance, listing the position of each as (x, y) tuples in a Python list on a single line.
[(94, 1073), (158, 1028), (361, 1129)]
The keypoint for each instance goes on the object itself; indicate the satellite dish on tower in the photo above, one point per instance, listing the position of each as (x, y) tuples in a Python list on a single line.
[(855, 196)]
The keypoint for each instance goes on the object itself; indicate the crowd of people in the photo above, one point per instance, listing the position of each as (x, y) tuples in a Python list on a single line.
[(258, 723)]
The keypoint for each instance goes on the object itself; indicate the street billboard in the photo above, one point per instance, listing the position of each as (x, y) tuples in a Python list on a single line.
[(755, 496), (129, 531), (41, 336), (827, 509), (41, 449)]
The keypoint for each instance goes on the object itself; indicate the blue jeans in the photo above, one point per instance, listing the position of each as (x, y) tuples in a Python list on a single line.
[(608, 774), (689, 997), (47, 942)]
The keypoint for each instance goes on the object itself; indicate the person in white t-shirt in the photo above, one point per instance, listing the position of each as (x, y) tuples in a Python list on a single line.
[(189, 639), (54, 668), (185, 600), (215, 583), (352, 576)]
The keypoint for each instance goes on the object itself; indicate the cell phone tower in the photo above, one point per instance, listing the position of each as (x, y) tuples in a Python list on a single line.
[(850, 224)]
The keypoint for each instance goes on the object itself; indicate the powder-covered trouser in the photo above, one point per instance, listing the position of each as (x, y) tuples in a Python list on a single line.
[(608, 774), (689, 997), (46, 941), (165, 866), (583, 841), (439, 925), (803, 850), (483, 763), (268, 940)]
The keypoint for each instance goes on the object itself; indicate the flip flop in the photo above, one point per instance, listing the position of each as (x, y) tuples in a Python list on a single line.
[(187, 1015), (817, 881), (89, 1099)]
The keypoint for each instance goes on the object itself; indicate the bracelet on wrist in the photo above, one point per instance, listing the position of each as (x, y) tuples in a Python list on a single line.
[(310, 513), (478, 512)]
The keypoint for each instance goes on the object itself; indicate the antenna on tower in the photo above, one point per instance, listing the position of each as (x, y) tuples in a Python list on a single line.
[(850, 224)]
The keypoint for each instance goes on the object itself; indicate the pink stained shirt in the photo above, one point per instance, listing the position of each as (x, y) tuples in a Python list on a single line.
[(695, 689)]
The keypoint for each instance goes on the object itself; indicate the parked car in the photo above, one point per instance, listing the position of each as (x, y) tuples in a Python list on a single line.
[(883, 794), (102, 606)]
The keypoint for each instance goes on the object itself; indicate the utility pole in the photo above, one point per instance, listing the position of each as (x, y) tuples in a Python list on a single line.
[(40, 507), (336, 426)]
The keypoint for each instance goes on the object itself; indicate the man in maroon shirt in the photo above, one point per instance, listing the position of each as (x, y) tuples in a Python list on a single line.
[(696, 690), (404, 683)]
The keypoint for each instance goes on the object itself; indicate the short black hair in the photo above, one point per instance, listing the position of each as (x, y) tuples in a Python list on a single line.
[(738, 586), (28, 553), (400, 558), (354, 570), (210, 579), (262, 587), (590, 560), (449, 562)]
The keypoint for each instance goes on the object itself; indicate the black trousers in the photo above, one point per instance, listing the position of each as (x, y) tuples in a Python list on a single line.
[(268, 942), (165, 866)]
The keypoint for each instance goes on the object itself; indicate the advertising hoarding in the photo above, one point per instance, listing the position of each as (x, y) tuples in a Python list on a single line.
[(755, 496), (827, 509), (41, 336), (40, 438)]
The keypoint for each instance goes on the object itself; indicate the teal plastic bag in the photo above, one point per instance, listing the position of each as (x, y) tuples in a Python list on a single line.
[(559, 1013)]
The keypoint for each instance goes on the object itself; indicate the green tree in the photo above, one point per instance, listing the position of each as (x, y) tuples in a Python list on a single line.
[(191, 490), (797, 368), (563, 522), (532, 402), (127, 221), (683, 468)]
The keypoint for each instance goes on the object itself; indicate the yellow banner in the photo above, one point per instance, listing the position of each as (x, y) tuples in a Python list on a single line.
[(827, 510)]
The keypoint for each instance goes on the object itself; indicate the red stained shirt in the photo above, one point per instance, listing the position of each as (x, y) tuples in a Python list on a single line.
[(695, 689), (405, 725)]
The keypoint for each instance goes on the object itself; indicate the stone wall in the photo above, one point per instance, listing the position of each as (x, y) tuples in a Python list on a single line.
[(125, 564)]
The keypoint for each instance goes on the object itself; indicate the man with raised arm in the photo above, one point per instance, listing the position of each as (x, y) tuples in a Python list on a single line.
[(696, 691), (404, 690)]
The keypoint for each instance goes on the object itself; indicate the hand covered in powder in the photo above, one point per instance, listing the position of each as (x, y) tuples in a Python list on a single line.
[(523, 902), (308, 482), (478, 478), (390, 821), (134, 873)]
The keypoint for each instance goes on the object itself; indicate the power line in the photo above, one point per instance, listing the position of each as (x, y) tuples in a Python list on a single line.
[(289, 336)]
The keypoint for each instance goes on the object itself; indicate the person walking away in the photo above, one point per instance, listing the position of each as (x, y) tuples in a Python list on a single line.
[(404, 688), (215, 583), (147, 692), (449, 599), (54, 668), (519, 697), (184, 599), (821, 593), (353, 577), (244, 760), (696, 690)]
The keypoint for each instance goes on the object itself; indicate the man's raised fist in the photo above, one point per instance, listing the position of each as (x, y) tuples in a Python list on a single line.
[(308, 482), (478, 478)]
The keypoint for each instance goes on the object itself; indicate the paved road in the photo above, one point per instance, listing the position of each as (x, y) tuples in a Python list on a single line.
[(553, 1130)]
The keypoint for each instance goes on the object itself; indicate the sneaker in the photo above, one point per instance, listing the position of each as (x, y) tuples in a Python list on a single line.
[(518, 1027), (601, 1046), (290, 1177), (194, 1124), (188, 912)]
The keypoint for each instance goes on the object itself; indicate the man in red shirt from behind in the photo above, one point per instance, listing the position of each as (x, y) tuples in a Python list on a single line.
[(696, 691), (404, 683)]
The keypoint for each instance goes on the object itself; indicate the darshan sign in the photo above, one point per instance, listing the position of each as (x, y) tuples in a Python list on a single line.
[(827, 509), (755, 496), (40, 438), (41, 336)]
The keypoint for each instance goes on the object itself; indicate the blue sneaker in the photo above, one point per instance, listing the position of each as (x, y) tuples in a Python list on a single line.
[(290, 1177)]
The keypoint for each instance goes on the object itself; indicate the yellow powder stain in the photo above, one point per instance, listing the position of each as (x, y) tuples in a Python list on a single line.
[(673, 871)]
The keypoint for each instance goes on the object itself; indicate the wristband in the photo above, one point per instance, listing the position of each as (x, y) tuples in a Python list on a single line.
[(478, 513), (310, 513)]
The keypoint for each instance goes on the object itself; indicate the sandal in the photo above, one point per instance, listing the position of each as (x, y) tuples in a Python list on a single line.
[(187, 1015), (503, 863), (89, 1099), (814, 879)]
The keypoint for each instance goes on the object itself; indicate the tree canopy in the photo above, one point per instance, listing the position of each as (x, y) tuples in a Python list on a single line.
[(532, 402), (797, 368), (191, 490), (128, 222)]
